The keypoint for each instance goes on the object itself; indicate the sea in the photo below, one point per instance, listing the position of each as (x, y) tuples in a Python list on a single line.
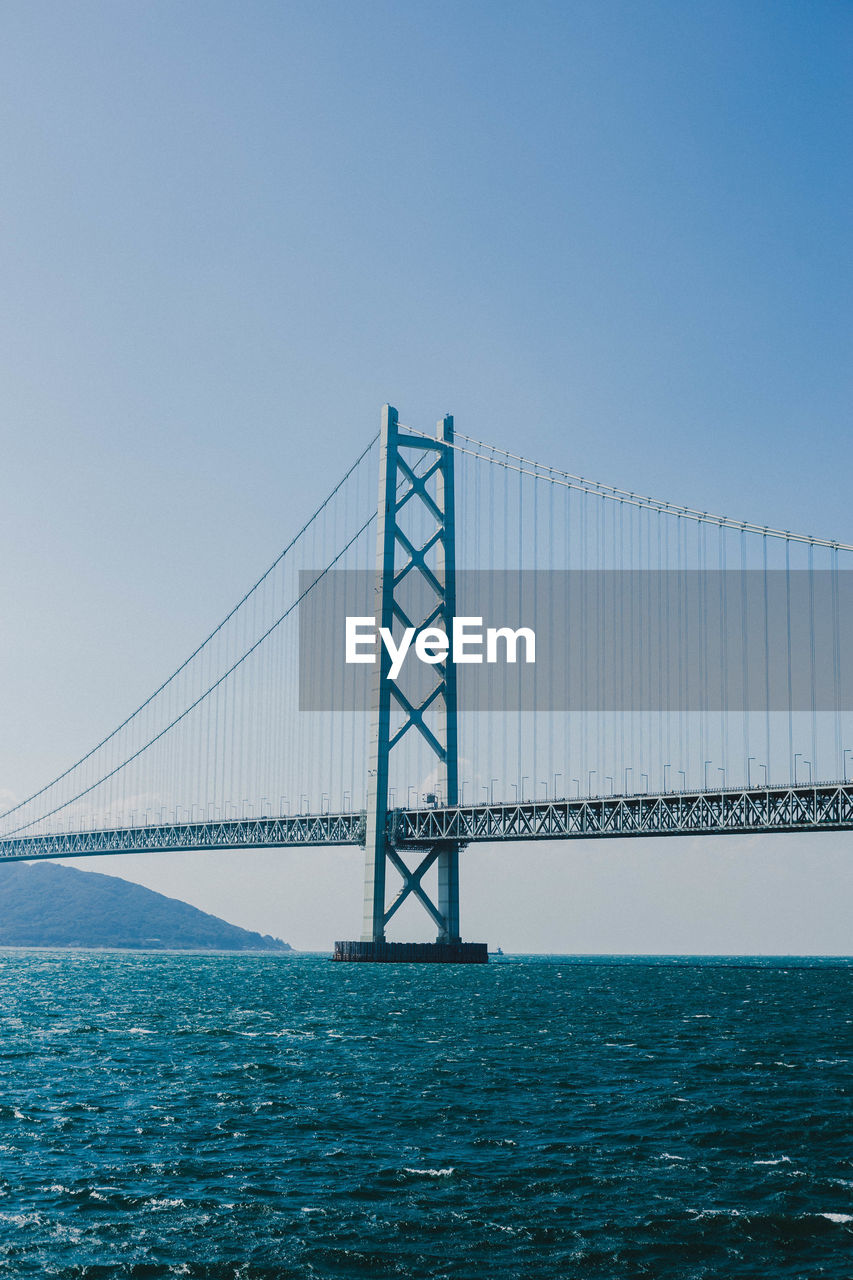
[(252, 1116)]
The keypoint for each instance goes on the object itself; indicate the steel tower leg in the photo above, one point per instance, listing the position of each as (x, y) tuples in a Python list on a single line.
[(448, 858), (376, 840)]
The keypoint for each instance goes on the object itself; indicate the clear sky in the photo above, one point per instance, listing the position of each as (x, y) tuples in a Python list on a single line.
[(617, 234)]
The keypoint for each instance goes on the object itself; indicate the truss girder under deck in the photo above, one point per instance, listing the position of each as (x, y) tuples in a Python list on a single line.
[(827, 807)]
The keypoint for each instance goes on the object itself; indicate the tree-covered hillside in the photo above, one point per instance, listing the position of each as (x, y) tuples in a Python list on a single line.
[(45, 904)]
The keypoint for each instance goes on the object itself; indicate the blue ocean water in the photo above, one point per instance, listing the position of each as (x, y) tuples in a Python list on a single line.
[(258, 1116)]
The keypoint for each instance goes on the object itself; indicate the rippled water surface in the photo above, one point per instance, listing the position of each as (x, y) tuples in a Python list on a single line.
[(275, 1116)]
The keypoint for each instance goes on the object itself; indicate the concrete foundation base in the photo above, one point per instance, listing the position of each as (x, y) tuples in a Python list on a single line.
[(412, 952)]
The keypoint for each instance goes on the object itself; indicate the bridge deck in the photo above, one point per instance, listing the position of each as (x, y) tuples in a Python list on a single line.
[(823, 807), (233, 833)]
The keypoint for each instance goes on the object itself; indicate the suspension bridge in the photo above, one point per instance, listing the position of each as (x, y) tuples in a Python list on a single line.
[(692, 681)]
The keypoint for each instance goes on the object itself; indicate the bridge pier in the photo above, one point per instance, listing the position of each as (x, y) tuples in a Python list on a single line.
[(412, 952)]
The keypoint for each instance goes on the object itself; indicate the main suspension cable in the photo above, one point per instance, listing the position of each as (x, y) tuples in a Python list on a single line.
[(165, 684), (567, 480), (183, 714)]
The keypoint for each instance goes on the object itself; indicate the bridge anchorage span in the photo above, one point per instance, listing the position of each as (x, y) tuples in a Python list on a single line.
[(228, 722)]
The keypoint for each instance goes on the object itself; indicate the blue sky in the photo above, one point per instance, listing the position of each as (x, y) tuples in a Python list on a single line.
[(614, 234)]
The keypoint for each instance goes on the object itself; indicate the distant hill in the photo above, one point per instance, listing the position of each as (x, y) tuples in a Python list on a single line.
[(44, 904)]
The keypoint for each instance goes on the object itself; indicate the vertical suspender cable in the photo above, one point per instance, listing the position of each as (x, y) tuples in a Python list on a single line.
[(791, 759), (744, 647), (836, 666), (724, 653), (766, 659)]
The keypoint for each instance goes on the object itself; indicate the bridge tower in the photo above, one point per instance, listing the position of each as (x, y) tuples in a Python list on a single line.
[(413, 469)]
